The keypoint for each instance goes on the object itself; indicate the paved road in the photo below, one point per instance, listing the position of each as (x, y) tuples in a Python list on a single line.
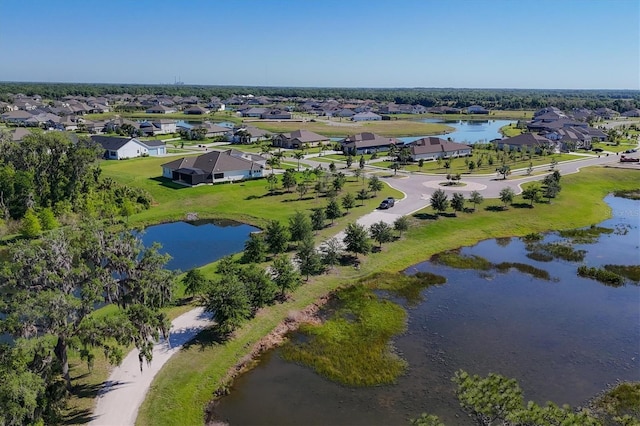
[(125, 390)]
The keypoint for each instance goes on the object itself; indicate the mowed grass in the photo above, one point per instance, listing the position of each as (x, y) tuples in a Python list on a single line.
[(247, 201), (182, 389), (392, 128), (458, 165)]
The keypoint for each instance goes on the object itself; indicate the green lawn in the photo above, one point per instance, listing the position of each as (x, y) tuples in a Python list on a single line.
[(622, 147), (494, 115), (186, 384), (141, 115), (332, 128), (247, 201), (510, 131), (458, 164)]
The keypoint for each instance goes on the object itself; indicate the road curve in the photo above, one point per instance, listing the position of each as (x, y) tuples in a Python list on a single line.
[(125, 390)]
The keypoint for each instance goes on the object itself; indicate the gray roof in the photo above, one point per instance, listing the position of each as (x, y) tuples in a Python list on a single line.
[(368, 139), (110, 143), (433, 144), (304, 136), (213, 162), (528, 139)]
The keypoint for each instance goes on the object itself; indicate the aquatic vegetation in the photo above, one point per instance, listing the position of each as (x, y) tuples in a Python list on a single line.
[(524, 268), (559, 250), (540, 256), (632, 194), (621, 401), (532, 237), (353, 346), (454, 259), (408, 287), (630, 272), (604, 276), (585, 235)]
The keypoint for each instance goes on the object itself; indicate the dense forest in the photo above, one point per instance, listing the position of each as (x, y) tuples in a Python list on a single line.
[(513, 99)]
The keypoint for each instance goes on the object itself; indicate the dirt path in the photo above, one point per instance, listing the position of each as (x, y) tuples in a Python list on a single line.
[(125, 390)]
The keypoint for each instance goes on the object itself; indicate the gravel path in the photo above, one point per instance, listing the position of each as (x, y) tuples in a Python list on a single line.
[(125, 390)]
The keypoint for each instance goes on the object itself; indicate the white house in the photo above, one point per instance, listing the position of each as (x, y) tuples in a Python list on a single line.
[(366, 116), (122, 148)]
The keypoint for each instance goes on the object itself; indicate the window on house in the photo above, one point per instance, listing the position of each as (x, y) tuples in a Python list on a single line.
[(218, 175)]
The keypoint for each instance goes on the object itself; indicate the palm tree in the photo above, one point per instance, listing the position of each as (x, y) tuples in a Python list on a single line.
[(298, 155)]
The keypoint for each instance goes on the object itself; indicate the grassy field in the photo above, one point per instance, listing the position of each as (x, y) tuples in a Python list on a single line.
[(247, 201), (185, 385), (458, 165), (494, 115), (392, 128), (614, 148), (510, 131), (141, 115)]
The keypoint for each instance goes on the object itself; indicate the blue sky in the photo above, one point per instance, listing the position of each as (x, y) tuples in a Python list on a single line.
[(575, 44)]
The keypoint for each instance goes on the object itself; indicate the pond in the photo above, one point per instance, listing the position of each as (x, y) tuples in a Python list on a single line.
[(196, 243), (468, 131), (563, 339)]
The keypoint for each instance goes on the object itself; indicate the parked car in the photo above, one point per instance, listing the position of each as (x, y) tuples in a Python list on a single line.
[(387, 203)]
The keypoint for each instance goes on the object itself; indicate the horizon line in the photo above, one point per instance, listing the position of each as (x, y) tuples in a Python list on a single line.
[(316, 87)]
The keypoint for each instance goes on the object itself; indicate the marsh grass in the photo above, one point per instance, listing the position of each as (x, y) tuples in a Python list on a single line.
[(353, 347), (545, 252), (632, 194), (454, 259), (623, 399), (585, 235), (524, 268), (409, 287), (630, 272), (602, 275)]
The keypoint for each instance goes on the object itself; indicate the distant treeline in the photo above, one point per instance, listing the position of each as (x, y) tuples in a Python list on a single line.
[(512, 99)]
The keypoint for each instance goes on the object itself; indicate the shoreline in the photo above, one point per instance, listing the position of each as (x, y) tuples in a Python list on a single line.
[(274, 339)]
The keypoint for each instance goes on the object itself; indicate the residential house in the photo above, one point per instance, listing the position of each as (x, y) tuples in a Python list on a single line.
[(121, 148), (344, 113), (444, 110), (298, 138), (255, 112), (212, 130), (551, 112), (477, 109), (19, 133), (606, 113), (159, 127), (249, 134), (631, 113), (531, 141), (212, 167), (196, 110), (367, 143), (160, 109), (276, 114), (432, 148), (18, 117), (366, 116)]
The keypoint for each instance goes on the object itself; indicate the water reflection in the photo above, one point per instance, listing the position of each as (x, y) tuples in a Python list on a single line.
[(196, 243), (563, 339)]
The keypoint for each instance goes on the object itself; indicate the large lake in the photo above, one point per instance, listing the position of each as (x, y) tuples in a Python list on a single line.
[(196, 243), (467, 131), (564, 340)]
